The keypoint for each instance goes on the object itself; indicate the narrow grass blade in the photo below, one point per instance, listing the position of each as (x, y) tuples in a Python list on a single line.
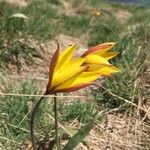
[(79, 136)]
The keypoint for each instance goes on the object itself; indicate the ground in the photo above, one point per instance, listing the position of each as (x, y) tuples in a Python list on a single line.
[(20, 3), (125, 125)]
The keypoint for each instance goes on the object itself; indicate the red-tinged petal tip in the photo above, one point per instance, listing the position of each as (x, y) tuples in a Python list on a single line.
[(100, 47), (53, 64)]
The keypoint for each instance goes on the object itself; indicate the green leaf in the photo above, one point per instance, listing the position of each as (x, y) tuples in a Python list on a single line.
[(79, 136), (19, 15)]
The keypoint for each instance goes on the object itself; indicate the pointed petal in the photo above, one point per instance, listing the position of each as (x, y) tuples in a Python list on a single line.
[(108, 70), (96, 59), (101, 48), (66, 56), (53, 64), (109, 55)]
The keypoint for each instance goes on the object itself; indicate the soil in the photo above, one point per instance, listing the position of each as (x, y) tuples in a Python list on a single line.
[(21, 3), (123, 15)]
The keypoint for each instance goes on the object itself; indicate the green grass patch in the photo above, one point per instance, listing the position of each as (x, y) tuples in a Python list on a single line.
[(16, 110), (82, 112)]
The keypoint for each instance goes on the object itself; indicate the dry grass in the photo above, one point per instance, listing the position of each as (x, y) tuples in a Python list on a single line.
[(124, 127)]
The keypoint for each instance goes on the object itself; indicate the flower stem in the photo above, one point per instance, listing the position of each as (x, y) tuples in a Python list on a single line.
[(56, 123), (34, 111)]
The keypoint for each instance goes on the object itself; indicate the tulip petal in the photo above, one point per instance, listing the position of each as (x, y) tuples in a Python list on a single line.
[(66, 56), (108, 70), (96, 59), (101, 48), (109, 55), (94, 67), (53, 64)]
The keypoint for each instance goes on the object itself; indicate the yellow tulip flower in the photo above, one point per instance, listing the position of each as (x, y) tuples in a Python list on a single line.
[(69, 74)]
